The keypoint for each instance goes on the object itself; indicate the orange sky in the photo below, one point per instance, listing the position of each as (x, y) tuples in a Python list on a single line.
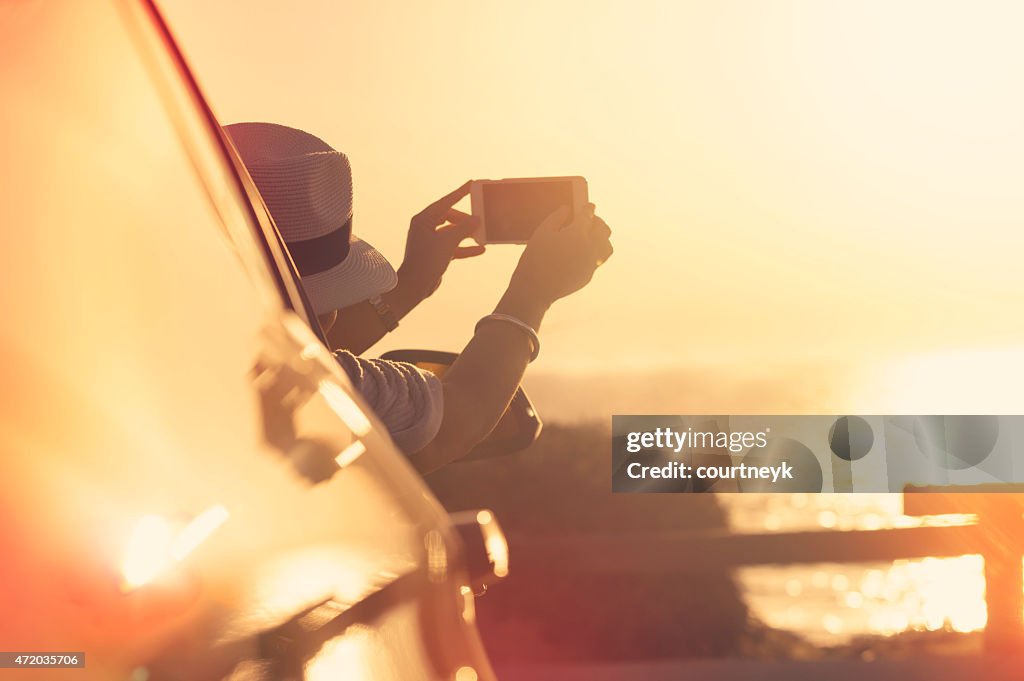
[(785, 179)]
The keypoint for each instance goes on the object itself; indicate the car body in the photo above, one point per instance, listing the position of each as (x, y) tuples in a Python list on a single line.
[(191, 487)]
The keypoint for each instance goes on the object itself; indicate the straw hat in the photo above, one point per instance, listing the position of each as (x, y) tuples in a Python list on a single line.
[(307, 187)]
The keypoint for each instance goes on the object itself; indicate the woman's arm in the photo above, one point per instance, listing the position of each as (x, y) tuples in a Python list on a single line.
[(483, 379), (432, 243), (363, 327)]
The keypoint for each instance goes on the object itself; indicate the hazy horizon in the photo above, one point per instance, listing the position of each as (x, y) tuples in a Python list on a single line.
[(942, 383)]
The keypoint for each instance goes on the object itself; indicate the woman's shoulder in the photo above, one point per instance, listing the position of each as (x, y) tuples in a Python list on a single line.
[(407, 399)]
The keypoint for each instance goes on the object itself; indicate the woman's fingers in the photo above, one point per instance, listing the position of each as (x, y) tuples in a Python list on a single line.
[(456, 215), (445, 203), (602, 251), (554, 221), (467, 252), (599, 228), (461, 228), (600, 234), (585, 217), (436, 212)]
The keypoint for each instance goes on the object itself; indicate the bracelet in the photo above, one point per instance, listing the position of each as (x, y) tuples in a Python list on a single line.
[(384, 313), (519, 324)]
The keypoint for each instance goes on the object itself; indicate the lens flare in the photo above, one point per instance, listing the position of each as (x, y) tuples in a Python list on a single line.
[(155, 545)]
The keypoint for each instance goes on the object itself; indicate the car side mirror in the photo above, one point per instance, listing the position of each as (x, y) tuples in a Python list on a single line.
[(486, 548), (519, 426)]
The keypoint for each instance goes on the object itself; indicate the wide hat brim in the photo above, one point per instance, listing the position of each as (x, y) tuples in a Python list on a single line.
[(363, 274)]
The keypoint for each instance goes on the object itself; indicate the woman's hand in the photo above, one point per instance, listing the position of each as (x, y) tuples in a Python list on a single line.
[(433, 242), (484, 377), (560, 260)]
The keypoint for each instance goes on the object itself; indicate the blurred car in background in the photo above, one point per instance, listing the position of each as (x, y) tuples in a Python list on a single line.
[(191, 489)]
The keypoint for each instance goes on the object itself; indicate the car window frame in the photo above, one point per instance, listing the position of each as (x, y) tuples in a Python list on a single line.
[(262, 230)]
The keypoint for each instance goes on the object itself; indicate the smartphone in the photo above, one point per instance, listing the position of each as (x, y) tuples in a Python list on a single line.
[(510, 210)]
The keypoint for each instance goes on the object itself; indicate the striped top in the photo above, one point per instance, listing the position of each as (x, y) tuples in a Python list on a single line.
[(407, 400)]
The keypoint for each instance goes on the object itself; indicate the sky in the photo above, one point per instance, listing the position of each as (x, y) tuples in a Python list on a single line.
[(785, 180)]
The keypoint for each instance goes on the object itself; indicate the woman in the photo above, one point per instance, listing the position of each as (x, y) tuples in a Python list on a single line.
[(307, 186)]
